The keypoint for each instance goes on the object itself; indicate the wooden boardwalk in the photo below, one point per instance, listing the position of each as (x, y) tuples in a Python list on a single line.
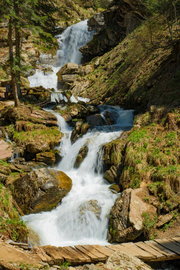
[(156, 250)]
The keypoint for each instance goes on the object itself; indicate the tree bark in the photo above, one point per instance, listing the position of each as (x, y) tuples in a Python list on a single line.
[(11, 63), (17, 47)]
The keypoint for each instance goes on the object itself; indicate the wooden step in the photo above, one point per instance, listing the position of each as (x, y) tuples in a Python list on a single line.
[(150, 250), (94, 254), (140, 253), (167, 243), (54, 253), (168, 253)]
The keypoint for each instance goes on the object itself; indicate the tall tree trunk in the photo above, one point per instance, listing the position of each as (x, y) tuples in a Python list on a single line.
[(11, 62), (17, 47)]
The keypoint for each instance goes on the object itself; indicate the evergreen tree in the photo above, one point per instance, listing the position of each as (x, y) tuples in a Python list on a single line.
[(35, 15)]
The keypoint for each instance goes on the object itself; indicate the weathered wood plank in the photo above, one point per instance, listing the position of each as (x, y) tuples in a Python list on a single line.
[(176, 239), (168, 253), (92, 253), (68, 256), (54, 253), (82, 257), (117, 248), (149, 249), (171, 245), (140, 253), (104, 250)]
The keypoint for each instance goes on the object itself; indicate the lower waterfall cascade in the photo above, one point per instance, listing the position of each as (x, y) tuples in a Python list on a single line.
[(72, 222), (82, 216)]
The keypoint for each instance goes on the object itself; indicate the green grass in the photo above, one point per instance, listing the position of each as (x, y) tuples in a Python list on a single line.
[(47, 134), (10, 223)]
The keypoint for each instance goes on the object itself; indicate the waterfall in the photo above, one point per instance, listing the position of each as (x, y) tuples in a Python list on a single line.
[(70, 41), (82, 217)]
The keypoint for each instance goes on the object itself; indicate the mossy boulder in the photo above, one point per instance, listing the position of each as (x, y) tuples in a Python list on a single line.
[(32, 129), (49, 158), (40, 190), (28, 113)]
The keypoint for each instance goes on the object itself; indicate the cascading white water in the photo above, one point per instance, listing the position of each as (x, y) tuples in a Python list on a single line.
[(70, 41), (82, 216)]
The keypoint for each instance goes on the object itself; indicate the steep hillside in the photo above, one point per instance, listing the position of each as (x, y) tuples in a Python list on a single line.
[(137, 73)]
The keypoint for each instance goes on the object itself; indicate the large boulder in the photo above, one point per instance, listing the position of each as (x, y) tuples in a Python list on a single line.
[(126, 217), (41, 190)]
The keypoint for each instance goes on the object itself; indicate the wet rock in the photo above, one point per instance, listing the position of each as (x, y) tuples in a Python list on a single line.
[(126, 221), (111, 175), (69, 68), (48, 158), (91, 206), (5, 150), (81, 156), (115, 188), (95, 120), (41, 190), (68, 78), (79, 130)]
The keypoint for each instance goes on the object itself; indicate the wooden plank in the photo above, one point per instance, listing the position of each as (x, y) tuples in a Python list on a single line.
[(169, 254), (82, 257), (104, 250), (87, 253), (177, 240), (140, 253), (42, 254), (149, 249), (169, 244), (123, 249), (54, 253), (97, 253), (67, 255), (116, 248), (92, 253)]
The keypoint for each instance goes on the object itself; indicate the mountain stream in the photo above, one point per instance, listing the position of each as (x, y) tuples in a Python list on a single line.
[(82, 216)]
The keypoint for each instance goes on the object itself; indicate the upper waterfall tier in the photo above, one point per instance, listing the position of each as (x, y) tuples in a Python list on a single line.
[(70, 41)]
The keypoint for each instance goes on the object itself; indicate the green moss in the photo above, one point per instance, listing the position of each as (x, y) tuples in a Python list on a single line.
[(46, 134), (10, 223), (4, 163), (137, 135)]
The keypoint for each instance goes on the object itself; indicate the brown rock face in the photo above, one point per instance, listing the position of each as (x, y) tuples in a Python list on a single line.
[(41, 190), (113, 25), (126, 221), (5, 150)]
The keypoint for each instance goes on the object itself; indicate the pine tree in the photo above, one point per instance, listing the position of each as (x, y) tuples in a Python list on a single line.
[(35, 15)]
